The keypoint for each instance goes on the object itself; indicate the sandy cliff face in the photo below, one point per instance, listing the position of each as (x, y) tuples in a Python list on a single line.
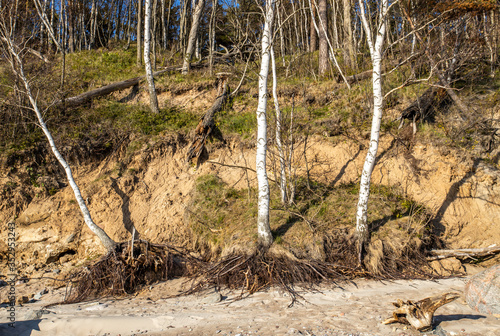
[(149, 190)]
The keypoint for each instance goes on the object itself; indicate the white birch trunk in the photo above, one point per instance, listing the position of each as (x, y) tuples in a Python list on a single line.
[(147, 61), (105, 239), (278, 132), (192, 35), (376, 56), (265, 237)]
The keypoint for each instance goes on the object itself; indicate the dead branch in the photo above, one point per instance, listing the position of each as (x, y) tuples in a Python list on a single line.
[(464, 253), (419, 314), (207, 124), (39, 55)]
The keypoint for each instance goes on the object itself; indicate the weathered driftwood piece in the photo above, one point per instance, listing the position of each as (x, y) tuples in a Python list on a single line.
[(419, 314), (207, 124), (464, 253)]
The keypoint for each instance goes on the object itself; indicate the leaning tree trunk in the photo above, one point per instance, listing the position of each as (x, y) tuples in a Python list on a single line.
[(147, 61), (192, 35), (206, 125), (265, 237), (105, 239), (378, 99)]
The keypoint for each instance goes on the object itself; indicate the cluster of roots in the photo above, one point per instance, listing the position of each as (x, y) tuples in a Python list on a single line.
[(127, 268)]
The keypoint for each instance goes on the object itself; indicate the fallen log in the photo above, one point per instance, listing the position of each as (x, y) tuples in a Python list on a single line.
[(206, 124), (107, 89), (464, 253), (357, 77), (116, 86), (419, 314)]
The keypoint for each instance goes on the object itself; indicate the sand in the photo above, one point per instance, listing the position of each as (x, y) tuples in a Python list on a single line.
[(350, 309)]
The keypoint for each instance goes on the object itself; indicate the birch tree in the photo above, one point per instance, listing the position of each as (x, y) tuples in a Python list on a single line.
[(265, 237), (17, 66), (192, 35), (279, 121), (376, 57), (147, 61)]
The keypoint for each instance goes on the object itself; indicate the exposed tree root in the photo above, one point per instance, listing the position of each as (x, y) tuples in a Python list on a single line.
[(263, 269), (121, 272), (127, 268)]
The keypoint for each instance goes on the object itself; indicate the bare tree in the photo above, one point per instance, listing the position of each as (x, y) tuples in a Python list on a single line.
[(265, 237), (279, 121), (192, 35), (378, 99), (16, 63), (147, 61)]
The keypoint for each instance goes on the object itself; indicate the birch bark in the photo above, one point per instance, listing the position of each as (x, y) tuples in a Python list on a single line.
[(378, 98), (265, 237), (279, 121), (101, 234), (147, 61)]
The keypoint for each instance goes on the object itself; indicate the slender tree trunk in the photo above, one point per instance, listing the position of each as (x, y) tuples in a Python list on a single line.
[(323, 43), (349, 56), (282, 40), (147, 61), (163, 26), (279, 121), (168, 19), (192, 35), (129, 15), (211, 37), (314, 36), (105, 239), (153, 34), (378, 99), (265, 237), (182, 24), (139, 32)]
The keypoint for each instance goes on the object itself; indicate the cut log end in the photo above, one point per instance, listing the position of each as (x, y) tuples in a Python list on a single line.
[(419, 314)]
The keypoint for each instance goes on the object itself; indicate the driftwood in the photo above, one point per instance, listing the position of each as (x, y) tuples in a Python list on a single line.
[(419, 314), (464, 253), (207, 125)]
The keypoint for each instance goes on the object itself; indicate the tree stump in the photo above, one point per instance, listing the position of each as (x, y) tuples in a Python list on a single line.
[(419, 314)]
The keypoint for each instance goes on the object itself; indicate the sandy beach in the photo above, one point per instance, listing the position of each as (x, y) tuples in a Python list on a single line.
[(356, 308)]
